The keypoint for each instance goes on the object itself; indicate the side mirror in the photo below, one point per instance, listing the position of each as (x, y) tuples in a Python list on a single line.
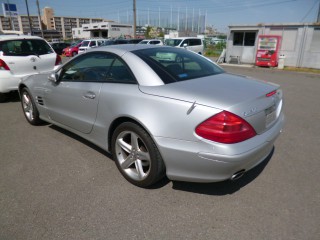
[(53, 77), (185, 45)]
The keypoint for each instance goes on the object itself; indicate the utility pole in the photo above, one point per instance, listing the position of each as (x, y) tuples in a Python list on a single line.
[(10, 17), (39, 15), (29, 17), (134, 19), (318, 18)]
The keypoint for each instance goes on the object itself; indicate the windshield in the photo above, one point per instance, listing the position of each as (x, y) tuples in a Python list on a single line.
[(172, 42), (25, 47), (175, 64)]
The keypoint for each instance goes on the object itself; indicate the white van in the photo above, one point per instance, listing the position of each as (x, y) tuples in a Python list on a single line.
[(191, 43), (151, 41), (91, 43)]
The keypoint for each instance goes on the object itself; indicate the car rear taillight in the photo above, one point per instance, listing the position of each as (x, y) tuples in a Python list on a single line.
[(271, 93), (225, 127), (58, 60), (3, 65)]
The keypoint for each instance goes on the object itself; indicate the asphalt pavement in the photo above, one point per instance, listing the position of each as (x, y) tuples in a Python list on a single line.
[(55, 185)]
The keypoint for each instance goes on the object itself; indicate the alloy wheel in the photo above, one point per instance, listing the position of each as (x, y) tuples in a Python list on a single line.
[(133, 155), (27, 106)]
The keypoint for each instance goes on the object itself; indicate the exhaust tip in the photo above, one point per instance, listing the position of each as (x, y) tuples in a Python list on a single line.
[(237, 175)]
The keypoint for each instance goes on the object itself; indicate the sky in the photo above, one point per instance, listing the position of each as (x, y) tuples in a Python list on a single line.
[(219, 13)]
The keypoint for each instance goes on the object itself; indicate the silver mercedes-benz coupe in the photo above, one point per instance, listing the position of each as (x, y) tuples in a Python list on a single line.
[(160, 111)]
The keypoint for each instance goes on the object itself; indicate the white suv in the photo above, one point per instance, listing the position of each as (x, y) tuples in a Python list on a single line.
[(190, 43), (151, 41), (91, 43), (21, 56)]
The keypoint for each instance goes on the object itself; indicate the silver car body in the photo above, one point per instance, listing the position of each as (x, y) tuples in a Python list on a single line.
[(169, 113)]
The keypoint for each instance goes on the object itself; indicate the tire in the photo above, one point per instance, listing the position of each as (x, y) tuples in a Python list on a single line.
[(136, 155), (74, 54), (29, 108), (3, 97)]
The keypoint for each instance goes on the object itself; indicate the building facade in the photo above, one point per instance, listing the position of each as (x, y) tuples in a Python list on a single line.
[(61, 26), (300, 42), (105, 29)]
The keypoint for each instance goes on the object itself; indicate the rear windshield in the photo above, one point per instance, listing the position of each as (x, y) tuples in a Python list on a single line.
[(25, 47), (175, 64)]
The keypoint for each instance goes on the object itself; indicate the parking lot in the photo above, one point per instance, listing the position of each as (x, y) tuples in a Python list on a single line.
[(55, 185)]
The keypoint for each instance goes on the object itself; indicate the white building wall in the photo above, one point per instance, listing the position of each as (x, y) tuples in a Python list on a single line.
[(311, 52), (80, 33), (300, 44)]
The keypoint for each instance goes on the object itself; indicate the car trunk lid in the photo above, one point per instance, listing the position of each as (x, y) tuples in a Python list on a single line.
[(248, 98)]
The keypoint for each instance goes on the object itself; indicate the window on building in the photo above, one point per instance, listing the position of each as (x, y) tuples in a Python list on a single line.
[(238, 38), (244, 38), (249, 38)]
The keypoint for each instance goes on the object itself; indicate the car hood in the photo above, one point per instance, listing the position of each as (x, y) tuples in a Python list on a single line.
[(221, 91)]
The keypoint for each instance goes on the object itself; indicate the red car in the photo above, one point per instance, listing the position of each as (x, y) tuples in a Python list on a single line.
[(72, 50)]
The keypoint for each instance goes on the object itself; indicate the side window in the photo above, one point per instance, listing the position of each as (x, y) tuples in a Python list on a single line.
[(92, 43), (186, 41), (196, 42), (120, 73), (93, 67)]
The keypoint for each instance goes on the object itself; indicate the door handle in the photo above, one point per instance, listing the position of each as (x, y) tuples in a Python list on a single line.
[(89, 95)]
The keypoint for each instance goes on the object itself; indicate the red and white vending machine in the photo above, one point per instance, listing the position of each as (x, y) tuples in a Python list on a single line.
[(268, 50)]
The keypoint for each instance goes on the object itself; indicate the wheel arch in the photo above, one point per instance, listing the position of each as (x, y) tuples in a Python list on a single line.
[(21, 86), (116, 122)]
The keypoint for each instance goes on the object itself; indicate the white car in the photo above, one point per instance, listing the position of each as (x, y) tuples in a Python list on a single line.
[(21, 56), (190, 43), (91, 43), (151, 41)]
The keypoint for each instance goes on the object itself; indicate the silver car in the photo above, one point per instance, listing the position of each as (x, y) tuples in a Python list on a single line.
[(160, 111)]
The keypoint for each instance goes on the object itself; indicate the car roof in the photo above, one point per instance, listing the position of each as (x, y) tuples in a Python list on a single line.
[(123, 48), (10, 37), (95, 39), (185, 38), (151, 40)]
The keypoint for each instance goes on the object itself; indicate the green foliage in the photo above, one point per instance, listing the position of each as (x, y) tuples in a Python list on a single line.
[(220, 45), (214, 50), (147, 33)]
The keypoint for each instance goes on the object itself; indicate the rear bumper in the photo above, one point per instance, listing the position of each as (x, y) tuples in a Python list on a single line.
[(199, 162)]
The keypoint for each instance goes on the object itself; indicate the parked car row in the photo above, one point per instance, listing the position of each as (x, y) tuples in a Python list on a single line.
[(189, 43)]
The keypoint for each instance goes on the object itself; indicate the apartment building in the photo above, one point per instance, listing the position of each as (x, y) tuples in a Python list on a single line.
[(61, 27)]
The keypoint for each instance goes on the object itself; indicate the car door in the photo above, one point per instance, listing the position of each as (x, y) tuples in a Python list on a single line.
[(74, 99)]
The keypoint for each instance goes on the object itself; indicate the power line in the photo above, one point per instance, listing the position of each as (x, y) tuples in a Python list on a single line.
[(309, 10)]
